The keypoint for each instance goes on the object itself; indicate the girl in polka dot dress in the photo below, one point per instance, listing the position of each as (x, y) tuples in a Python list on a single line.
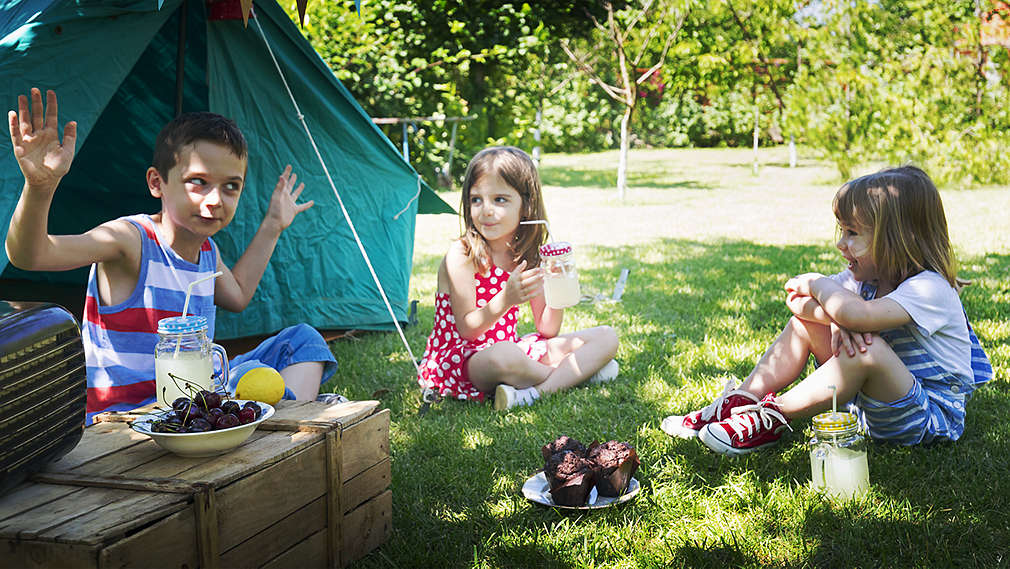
[(488, 272)]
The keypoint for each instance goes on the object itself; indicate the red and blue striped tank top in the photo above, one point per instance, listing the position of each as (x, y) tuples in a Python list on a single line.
[(119, 340)]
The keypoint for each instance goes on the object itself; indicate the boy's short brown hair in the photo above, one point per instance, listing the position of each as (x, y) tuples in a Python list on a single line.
[(188, 128)]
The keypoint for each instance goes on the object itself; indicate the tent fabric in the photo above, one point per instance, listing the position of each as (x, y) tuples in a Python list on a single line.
[(113, 67)]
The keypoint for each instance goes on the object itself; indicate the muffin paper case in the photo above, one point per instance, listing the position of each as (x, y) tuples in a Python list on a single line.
[(615, 464)]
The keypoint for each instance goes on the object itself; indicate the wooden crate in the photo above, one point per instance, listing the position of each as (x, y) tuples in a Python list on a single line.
[(310, 488)]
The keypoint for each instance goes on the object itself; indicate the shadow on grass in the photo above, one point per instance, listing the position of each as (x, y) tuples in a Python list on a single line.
[(705, 311)]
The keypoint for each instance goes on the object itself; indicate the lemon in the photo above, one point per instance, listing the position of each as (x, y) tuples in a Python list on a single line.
[(263, 384)]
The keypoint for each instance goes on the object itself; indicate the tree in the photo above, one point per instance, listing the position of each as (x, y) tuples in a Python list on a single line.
[(403, 58), (630, 34), (900, 80)]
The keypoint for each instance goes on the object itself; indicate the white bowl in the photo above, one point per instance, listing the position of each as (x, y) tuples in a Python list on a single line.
[(209, 443)]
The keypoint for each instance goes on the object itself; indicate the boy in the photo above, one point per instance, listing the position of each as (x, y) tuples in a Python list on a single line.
[(142, 265)]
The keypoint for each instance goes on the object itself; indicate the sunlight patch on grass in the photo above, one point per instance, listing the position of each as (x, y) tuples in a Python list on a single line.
[(474, 439), (994, 330)]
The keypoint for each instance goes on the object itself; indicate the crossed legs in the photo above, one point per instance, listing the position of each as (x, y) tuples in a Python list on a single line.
[(570, 359)]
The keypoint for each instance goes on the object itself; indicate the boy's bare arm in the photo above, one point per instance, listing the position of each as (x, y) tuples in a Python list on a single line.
[(234, 288), (44, 161)]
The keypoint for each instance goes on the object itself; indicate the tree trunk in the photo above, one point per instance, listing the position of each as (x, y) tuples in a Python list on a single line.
[(622, 163)]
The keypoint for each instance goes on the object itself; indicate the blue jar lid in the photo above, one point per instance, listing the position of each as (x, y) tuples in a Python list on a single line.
[(182, 324)]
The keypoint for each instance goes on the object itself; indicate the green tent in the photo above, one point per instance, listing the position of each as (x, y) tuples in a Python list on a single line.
[(115, 66)]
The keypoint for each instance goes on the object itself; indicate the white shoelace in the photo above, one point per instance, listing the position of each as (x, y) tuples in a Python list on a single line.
[(745, 419), (708, 412)]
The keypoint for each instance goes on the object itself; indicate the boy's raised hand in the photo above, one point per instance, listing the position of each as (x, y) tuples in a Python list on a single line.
[(35, 137), (283, 203)]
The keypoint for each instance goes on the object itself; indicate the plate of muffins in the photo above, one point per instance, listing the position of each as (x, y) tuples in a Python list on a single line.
[(584, 478)]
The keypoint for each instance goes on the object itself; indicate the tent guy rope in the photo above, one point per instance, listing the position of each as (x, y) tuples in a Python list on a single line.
[(361, 247)]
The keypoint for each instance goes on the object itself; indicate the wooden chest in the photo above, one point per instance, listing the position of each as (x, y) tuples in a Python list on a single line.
[(310, 488)]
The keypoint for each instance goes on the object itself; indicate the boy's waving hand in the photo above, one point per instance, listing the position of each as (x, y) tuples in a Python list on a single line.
[(35, 136)]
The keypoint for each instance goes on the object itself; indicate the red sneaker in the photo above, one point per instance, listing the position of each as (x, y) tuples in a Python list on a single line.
[(688, 426), (750, 428)]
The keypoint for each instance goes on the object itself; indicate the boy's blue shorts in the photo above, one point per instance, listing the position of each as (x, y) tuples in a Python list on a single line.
[(292, 345)]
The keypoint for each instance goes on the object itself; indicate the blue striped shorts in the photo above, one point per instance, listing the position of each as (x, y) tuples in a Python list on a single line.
[(934, 408)]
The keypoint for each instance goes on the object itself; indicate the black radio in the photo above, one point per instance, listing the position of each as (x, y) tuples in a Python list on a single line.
[(43, 387)]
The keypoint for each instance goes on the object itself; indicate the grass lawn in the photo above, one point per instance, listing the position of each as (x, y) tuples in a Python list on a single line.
[(708, 246)]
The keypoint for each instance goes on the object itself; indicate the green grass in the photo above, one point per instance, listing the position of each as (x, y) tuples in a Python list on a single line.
[(708, 246)]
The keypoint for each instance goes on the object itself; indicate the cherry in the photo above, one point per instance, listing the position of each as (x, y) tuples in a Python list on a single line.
[(198, 426), (247, 415), (227, 421), (230, 407), (208, 399), (255, 407), (214, 415), (180, 402), (189, 412)]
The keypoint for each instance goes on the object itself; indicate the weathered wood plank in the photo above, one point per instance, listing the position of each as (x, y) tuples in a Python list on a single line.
[(279, 537), (168, 543), (365, 443), (113, 521), (28, 525), (309, 553), (28, 496), (255, 502), (97, 441), (343, 413), (366, 485), (207, 528), (41, 555), (367, 527)]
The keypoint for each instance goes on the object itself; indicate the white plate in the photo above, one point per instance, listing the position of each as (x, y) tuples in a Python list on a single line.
[(536, 489), (209, 443)]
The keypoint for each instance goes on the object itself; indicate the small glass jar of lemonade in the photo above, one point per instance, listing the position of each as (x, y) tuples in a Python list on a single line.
[(561, 279), (838, 455), (183, 358)]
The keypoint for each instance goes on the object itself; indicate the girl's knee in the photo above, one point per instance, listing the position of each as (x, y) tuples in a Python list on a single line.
[(501, 359), (608, 339), (878, 354)]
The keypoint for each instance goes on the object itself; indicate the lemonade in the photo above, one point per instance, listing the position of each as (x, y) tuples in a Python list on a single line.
[(192, 371), (562, 291), (841, 472), (561, 278)]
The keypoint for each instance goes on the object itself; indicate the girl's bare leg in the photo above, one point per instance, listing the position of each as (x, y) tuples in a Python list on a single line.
[(878, 372), (577, 356), (570, 360), (784, 361)]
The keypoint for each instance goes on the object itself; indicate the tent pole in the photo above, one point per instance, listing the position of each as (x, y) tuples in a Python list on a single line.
[(180, 56)]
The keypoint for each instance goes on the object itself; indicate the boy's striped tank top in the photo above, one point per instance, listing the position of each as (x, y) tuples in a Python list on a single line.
[(119, 340)]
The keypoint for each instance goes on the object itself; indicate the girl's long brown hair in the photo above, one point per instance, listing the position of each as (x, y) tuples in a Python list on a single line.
[(903, 209), (517, 169)]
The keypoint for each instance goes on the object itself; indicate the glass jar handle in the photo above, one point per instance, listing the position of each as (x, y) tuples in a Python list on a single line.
[(223, 378)]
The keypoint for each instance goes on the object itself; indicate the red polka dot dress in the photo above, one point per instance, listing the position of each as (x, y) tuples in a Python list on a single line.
[(443, 367)]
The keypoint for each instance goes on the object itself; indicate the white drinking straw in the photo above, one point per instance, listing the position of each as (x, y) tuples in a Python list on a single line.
[(185, 304), (189, 290), (539, 221), (834, 399)]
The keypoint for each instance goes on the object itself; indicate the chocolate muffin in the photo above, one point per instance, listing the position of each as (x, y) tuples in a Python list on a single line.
[(571, 478), (614, 464), (561, 444)]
